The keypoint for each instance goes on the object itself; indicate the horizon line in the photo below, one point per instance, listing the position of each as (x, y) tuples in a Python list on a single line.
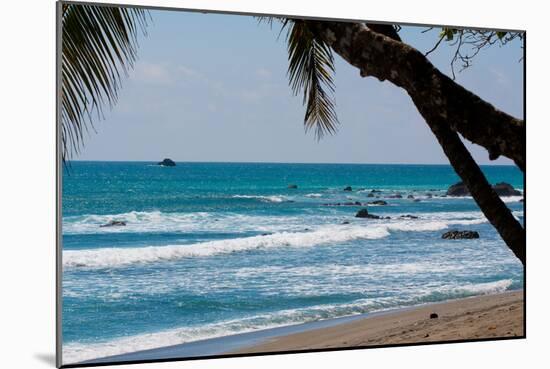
[(273, 162)]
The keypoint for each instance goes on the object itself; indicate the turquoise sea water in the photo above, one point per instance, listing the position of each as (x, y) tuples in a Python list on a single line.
[(212, 249)]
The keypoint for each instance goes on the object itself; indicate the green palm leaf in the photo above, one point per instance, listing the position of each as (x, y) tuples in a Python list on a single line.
[(99, 46), (310, 70)]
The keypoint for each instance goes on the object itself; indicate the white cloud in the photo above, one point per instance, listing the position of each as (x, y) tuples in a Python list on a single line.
[(152, 73)]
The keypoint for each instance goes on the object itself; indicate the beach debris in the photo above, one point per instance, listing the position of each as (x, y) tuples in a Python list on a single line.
[(293, 186), (348, 188), (114, 223), (378, 202), (167, 163), (492, 328), (427, 335), (459, 235), (434, 316)]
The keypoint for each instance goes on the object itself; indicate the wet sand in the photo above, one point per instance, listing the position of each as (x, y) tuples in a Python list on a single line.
[(491, 316)]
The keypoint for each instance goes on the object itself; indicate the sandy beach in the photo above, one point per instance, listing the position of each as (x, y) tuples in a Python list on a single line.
[(490, 316)]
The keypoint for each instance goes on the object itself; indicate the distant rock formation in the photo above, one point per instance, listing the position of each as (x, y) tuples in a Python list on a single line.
[(167, 163), (364, 213), (505, 189), (378, 202), (348, 188), (114, 223), (293, 186), (502, 189), (459, 235), (408, 216)]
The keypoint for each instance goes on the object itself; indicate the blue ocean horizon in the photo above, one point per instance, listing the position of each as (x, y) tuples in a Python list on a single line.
[(212, 249)]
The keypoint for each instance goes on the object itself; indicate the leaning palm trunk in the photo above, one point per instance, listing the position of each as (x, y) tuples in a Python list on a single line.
[(388, 59), (447, 108)]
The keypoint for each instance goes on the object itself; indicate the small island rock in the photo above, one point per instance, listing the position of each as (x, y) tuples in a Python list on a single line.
[(167, 163)]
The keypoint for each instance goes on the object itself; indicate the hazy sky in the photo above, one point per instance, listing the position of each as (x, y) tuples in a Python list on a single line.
[(214, 88)]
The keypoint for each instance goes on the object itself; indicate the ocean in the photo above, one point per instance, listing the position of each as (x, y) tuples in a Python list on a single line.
[(213, 249)]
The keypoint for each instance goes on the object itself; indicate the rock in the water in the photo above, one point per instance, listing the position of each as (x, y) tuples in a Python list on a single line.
[(378, 202), (458, 189), (293, 186), (408, 216), (370, 195), (502, 189), (459, 235), (363, 213), (167, 163), (521, 200), (416, 200), (345, 222), (395, 196), (348, 188), (410, 197), (114, 223), (505, 189)]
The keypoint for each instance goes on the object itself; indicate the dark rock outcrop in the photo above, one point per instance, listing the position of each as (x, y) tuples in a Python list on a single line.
[(434, 316), (167, 163), (408, 216), (293, 186), (502, 189), (410, 197), (378, 202), (395, 196), (364, 213), (370, 195), (505, 189), (348, 188), (356, 203), (460, 235), (458, 189), (114, 223)]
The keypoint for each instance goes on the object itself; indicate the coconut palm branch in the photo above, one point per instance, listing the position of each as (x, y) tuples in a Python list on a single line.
[(310, 73), (99, 47)]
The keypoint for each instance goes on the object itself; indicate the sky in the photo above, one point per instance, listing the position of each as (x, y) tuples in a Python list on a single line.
[(212, 87)]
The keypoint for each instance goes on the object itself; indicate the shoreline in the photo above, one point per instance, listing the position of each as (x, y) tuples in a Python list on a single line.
[(470, 318)]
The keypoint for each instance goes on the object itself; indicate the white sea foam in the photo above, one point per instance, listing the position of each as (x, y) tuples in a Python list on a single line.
[(314, 195), (274, 198), (77, 352), (115, 257), (156, 221)]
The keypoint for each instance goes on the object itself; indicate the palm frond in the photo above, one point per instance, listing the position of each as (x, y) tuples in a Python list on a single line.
[(99, 46), (310, 71)]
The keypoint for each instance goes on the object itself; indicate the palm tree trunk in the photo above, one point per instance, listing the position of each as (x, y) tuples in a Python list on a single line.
[(447, 108), (380, 56)]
